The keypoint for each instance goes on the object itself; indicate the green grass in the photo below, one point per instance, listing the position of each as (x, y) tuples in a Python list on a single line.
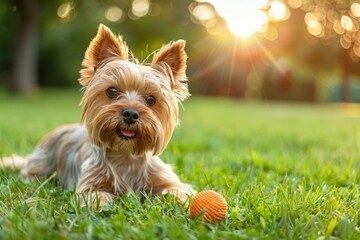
[(287, 171)]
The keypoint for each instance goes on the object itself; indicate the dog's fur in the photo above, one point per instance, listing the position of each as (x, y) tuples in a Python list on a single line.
[(108, 154)]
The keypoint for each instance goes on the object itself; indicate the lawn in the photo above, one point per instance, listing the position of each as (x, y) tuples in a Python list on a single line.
[(287, 171)]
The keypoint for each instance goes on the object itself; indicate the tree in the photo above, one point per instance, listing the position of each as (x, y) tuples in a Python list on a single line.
[(53, 35), (25, 57), (336, 24)]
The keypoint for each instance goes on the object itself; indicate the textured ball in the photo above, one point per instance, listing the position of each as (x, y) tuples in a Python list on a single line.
[(212, 203)]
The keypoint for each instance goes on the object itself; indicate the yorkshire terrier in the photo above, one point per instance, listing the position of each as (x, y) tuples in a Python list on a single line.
[(129, 114)]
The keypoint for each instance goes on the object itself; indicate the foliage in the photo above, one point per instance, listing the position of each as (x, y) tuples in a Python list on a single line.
[(287, 171), (219, 63), (7, 32), (63, 41), (335, 22)]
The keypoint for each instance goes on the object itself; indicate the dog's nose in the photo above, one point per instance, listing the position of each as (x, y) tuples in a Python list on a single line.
[(130, 115)]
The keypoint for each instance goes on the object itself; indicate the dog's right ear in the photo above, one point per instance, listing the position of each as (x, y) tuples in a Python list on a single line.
[(104, 46)]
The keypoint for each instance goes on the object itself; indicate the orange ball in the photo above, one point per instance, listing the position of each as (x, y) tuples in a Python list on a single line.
[(212, 203)]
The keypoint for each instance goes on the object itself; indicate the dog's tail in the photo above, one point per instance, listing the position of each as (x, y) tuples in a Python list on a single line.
[(13, 162)]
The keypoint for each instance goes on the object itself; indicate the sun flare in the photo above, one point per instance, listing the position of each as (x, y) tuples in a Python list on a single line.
[(245, 18)]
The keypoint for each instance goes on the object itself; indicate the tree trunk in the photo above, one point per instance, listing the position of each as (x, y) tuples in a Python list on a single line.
[(26, 49), (345, 82)]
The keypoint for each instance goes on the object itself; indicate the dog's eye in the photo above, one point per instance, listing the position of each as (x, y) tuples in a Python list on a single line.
[(112, 92), (150, 100)]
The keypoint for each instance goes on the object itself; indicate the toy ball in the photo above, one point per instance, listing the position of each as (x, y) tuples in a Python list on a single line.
[(213, 205)]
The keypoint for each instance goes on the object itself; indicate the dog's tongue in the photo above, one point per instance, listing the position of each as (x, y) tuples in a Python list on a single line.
[(127, 133)]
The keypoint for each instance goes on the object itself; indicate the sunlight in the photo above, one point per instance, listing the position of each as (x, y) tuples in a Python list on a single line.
[(203, 13), (313, 25), (114, 14), (242, 19), (346, 23), (140, 7), (64, 10), (355, 9), (278, 11)]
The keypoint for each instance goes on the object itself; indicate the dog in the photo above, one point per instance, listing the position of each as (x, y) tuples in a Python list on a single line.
[(129, 112)]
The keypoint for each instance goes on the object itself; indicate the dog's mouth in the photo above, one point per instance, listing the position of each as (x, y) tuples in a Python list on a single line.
[(126, 134)]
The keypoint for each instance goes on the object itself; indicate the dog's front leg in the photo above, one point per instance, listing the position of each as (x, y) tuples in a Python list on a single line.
[(95, 198), (164, 180), (179, 190), (96, 185)]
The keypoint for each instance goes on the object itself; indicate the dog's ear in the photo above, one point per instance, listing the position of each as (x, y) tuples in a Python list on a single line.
[(171, 61), (104, 46)]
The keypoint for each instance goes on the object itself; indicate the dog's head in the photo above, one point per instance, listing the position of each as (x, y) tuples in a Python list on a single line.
[(127, 106)]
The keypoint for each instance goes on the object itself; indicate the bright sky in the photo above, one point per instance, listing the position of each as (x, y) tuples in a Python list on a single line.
[(245, 17)]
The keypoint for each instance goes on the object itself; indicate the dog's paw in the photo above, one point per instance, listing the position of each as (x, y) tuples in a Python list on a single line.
[(181, 195), (12, 162), (96, 199)]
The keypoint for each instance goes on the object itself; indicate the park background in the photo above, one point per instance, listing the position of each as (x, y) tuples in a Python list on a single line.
[(302, 50), (272, 123)]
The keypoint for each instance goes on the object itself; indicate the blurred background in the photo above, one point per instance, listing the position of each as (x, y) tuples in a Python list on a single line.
[(291, 50)]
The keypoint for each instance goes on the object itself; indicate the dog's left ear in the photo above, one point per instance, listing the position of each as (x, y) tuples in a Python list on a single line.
[(171, 61)]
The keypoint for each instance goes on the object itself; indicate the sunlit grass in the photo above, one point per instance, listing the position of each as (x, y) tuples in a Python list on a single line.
[(286, 170)]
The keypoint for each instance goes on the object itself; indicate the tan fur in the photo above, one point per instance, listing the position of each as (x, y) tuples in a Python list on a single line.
[(92, 156)]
